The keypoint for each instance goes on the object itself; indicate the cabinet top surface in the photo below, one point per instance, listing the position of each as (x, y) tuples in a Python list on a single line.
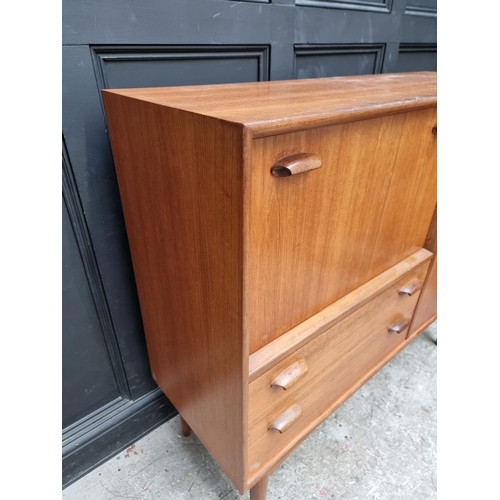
[(269, 108)]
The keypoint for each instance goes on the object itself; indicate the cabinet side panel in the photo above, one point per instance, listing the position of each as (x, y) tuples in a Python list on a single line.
[(180, 179)]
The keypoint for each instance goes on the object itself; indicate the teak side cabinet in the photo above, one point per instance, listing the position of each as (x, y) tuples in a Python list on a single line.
[(283, 242)]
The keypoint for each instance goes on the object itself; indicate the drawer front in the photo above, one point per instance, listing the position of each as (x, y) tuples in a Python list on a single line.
[(331, 208), (286, 399)]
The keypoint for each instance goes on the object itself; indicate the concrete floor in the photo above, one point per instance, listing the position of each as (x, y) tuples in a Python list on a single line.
[(381, 444)]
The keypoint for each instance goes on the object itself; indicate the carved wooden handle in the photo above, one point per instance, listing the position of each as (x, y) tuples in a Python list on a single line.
[(401, 324), (295, 164), (411, 287), (283, 421), (290, 375)]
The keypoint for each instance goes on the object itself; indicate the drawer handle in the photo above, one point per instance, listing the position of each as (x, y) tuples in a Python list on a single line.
[(411, 287), (283, 421), (295, 164), (290, 375), (401, 324)]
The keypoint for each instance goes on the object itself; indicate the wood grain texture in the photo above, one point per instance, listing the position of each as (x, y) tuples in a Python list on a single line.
[(431, 239), (183, 211), (269, 108), (338, 359), (421, 328), (291, 341), (332, 229), (426, 311)]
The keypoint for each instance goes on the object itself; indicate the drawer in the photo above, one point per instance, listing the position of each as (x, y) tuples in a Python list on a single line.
[(285, 400), (331, 228)]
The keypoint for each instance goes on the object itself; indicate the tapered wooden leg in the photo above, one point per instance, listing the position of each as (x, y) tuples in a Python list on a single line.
[(259, 491), (186, 430)]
